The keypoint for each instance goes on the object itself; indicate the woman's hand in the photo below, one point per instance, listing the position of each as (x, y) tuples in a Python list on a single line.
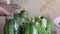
[(3, 12)]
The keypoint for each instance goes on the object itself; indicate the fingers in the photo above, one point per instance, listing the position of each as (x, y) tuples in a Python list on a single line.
[(4, 12)]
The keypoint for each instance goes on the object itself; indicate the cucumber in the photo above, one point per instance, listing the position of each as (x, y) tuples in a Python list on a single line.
[(38, 18), (38, 24), (24, 17), (12, 25), (24, 20), (8, 28), (17, 23), (16, 27), (11, 29), (46, 26), (24, 14), (33, 29), (44, 22), (27, 28), (49, 27), (43, 25)]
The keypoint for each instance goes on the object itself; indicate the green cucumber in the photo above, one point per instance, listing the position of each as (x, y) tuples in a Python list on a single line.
[(33, 29), (24, 20), (27, 28), (11, 29), (17, 23), (49, 27), (46, 26), (16, 27), (8, 28), (24, 17), (44, 22)]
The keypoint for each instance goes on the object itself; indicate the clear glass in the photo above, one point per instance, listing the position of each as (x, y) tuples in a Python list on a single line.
[(10, 4)]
